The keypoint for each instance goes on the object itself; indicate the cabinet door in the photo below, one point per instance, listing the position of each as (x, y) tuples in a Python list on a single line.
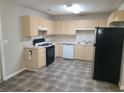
[(89, 53), (119, 15), (68, 28), (59, 50), (65, 28), (102, 23), (33, 27), (79, 52), (31, 59), (41, 57), (56, 50), (86, 23), (50, 28), (59, 27), (110, 19), (29, 26)]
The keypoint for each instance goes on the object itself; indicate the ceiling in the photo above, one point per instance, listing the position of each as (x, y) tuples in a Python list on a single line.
[(55, 7)]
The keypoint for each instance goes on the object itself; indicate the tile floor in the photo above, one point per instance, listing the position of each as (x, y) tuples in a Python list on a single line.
[(61, 76)]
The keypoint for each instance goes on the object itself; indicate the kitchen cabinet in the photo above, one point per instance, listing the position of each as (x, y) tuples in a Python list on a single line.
[(29, 26), (42, 22), (59, 50), (65, 28), (89, 53), (119, 15), (102, 22), (84, 52), (34, 58), (51, 26), (59, 27), (79, 52), (86, 23), (110, 19), (115, 17)]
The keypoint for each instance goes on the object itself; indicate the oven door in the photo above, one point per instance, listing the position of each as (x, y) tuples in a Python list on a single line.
[(50, 55)]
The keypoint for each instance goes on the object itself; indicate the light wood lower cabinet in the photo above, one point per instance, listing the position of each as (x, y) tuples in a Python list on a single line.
[(79, 52), (58, 50), (84, 52), (89, 53), (34, 58)]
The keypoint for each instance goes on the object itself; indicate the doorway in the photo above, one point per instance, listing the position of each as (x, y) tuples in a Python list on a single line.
[(0, 67), (1, 76)]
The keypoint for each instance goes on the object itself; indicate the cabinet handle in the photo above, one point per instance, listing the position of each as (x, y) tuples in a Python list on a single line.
[(30, 55), (30, 52)]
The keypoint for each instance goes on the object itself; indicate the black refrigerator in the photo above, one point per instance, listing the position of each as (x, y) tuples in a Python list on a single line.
[(108, 54)]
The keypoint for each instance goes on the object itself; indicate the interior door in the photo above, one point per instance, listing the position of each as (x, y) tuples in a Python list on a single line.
[(0, 51), (0, 68)]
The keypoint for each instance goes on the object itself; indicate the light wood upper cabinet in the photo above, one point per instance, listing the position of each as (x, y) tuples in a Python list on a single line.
[(119, 15), (86, 23), (48, 24), (110, 19), (64, 28), (43, 22), (59, 28), (102, 22), (51, 27), (29, 26), (116, 16)]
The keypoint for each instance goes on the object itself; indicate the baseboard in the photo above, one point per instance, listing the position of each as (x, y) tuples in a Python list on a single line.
[(121, 86), (17, 72)]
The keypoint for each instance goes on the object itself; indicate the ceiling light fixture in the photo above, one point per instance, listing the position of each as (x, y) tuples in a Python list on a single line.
[(73, 8)]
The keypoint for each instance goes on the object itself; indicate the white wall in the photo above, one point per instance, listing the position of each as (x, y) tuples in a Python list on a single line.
[(82, 16), (0, 46), (12, 35), (121, 83), (121, 7)]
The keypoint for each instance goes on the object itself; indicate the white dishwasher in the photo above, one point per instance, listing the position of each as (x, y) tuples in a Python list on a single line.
[(68, 51)]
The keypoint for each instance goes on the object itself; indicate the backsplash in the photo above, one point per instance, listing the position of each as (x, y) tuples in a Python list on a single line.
[(81, 36), (63, 38)]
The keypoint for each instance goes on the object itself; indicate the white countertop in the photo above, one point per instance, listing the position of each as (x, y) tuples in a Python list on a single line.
[(38, 47), (75, 43), (35, 47), (32, 46)]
